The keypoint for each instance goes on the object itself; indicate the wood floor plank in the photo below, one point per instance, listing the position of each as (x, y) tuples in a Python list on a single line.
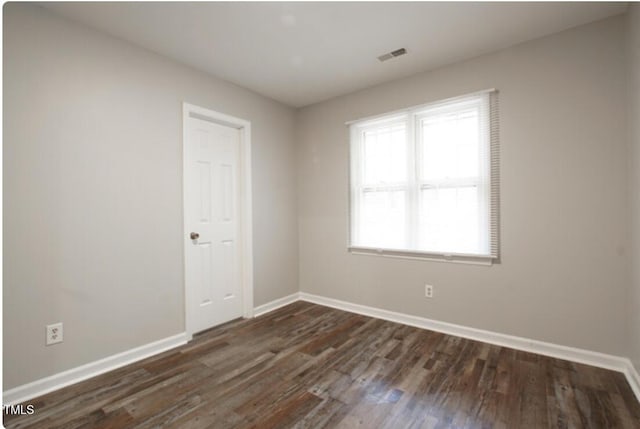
[(309, 366)]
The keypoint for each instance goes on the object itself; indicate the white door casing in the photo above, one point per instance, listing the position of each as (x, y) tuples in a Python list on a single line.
[(217, 219)]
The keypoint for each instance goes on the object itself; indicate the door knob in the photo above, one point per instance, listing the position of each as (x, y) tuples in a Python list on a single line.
[(194, 235)]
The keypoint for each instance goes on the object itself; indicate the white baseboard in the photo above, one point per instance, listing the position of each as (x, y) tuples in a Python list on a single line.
[(57, 381), (601, 360), (633, 378), (275, 304)]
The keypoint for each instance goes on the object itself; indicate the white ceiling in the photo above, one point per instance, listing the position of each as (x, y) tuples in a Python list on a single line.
[(303, 53)]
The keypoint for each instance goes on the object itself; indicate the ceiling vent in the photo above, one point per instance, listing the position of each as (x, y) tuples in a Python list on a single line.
[(392, 54)]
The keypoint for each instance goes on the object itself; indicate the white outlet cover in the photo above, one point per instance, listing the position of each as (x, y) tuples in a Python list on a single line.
[(54, 334), (428, 291)]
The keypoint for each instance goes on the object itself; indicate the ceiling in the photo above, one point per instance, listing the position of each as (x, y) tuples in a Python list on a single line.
[(306, 52)]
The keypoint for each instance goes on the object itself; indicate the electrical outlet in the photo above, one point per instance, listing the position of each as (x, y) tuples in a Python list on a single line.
[(54, 334), (428, 291)]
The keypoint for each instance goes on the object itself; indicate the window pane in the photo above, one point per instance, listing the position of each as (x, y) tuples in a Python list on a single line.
[(382, 220), (449, 220), (450, 145), (385, 155)]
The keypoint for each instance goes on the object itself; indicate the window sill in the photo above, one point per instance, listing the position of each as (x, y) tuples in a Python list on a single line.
[(457, 258)]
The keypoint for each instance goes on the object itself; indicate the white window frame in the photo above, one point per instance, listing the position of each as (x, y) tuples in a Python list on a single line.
[(411, 117)]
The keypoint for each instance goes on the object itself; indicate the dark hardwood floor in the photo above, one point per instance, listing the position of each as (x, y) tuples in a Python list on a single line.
[(309, 366)]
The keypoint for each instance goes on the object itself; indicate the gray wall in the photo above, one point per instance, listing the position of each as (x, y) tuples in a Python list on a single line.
[(93, 197), (563, 276), (634, 185)]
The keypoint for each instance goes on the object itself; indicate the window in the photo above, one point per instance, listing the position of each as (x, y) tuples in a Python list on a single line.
[(424, 182)]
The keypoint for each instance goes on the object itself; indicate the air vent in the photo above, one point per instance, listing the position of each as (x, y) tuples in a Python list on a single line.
[(392, 54)]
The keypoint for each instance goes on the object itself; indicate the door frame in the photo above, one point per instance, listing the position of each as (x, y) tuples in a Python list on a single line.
[(244, 202)]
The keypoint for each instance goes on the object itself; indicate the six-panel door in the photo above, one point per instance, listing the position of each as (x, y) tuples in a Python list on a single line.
[(211, 209)]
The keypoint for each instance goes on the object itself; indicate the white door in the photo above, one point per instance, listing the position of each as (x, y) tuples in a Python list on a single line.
[(212, 258)]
